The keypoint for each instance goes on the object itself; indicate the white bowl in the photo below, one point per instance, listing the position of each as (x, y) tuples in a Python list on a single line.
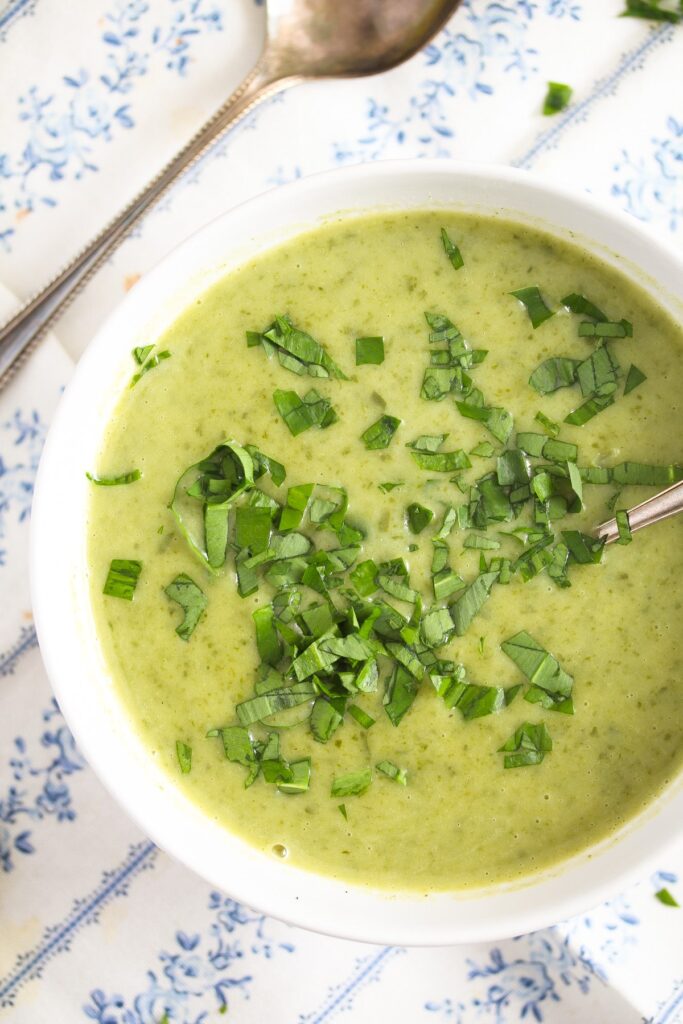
[(59, 566)]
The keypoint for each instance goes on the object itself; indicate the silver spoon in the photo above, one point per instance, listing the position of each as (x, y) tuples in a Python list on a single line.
[(660, 506), (305, 40)]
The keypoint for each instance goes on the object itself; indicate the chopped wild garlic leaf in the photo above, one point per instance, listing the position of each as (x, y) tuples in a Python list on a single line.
[(185, 592), (115, 481), (556, 98), (528, 745), (369, 351), (184, 755), (380, 433), (532, 300), (393, 772), (122, 578), (452, 251), (623, 526), (351, 784)]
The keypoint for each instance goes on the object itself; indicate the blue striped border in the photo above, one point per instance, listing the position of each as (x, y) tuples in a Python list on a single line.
[(602, 88), (10, 659), (57, 938), (13, 10), (667, 1014), (367, 970)]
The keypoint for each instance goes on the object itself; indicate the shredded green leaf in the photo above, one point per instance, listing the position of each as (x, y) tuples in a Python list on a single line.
[(188, 595), (122, 578)]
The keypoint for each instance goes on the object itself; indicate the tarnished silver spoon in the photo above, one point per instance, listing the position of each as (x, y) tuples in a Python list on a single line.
[(659, 506), (305, 40)]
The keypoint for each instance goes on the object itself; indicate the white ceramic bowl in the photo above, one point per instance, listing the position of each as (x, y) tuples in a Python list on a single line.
[(60, 572)]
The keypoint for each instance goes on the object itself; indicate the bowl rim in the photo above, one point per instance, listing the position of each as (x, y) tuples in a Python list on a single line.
[(316, 902)]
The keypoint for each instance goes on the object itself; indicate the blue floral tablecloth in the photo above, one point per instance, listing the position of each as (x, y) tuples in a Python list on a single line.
[(96, 923)]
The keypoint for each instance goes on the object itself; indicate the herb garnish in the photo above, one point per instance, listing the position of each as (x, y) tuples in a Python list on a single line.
[(115, 481), (418, 517), (623, 526), (550, 686), (351, 784), (532, 300), (652, 10), (369, 350), (528, 745), (187, 594), (557, 98), (297, 351), (313, 410), (663, 895), (184, 755), (380, 433), (122, 578), (452, 251), (393, 772), (146, 364)]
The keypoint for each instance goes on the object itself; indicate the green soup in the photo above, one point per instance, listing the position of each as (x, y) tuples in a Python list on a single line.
[(445, 688)]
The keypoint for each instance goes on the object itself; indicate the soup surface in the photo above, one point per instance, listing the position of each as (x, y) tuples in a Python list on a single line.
[(501, 634)]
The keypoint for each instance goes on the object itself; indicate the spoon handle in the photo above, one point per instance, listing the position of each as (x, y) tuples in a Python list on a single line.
[(660, 506), (20, 334)]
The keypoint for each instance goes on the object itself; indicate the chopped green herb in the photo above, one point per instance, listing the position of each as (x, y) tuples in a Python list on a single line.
[(528, 745), (364, 578), (297, 351), (551, 426), (122, 578), (351, 784), (452, 251), (623, 526), (187, 594), (634, 377), (556, 98), (369, 350), (483, 450), (141, 352), (556, 372), (401, 691), (326, 717), (184, 755), (115, 481), (471, 601), (299, 777), (203, 495), (386, 488), (149, 365), (646, 476), (589, 409), (532, 300), (441, 462), (606, 329), (652, 11), (551, 685), (301, 414), (663, 895), (584, 549), (361, 716), (380, 433), (264, 464), (393, 772), (583, 307), (418, 517), (259, 708), (342, 810)]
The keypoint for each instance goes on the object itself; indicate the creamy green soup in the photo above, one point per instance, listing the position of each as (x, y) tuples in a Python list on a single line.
[(504, 625)]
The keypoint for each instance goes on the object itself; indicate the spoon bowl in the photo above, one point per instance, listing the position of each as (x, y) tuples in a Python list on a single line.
[(309, 39)]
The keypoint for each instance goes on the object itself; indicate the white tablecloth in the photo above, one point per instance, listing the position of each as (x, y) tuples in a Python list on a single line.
[(97, 924)]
